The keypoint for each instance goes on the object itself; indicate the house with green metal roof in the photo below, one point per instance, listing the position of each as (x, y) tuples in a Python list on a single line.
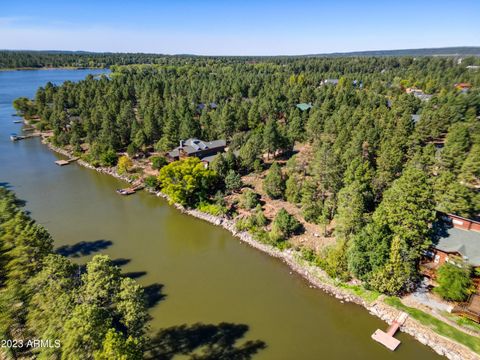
[(304, 106)]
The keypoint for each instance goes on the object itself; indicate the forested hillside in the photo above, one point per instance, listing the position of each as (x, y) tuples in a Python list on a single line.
[(375, 174)]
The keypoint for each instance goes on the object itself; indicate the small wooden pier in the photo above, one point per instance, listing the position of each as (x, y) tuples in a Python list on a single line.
[(15, 137), (65, 162), (131, 190), (386, 338)]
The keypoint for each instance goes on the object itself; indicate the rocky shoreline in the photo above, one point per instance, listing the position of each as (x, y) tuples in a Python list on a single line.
[(314, 275)]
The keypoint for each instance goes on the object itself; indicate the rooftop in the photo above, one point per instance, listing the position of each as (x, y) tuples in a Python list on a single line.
[(304, 106), (192, 146), (453, 240), (330, 81), (416, 118)]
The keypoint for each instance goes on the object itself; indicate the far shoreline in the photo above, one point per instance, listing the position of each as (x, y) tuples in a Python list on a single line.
[(55, 68)]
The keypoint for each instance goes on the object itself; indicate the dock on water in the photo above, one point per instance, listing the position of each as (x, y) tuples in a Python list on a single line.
[(386, 338), (131, 190), (65, 162), (15, 137)]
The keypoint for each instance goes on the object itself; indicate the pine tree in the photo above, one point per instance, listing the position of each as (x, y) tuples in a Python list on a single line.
[(271, 137), (350, 211), (274, 183), (470, 171), (396, 277), (100, 282)]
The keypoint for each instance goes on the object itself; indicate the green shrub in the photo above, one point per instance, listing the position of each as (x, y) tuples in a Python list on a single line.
[(109, 158), (151, 182), (250, 199), (309, 255), (212, 209), (334, 261), (454, 282), (158, 162), (285, 225), (233, 181), (252, 223), (261, 236)]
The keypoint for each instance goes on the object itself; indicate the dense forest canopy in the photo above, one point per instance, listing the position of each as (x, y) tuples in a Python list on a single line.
[(375, 171)]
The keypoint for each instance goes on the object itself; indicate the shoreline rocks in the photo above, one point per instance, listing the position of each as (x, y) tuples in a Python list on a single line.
[(441, 345)]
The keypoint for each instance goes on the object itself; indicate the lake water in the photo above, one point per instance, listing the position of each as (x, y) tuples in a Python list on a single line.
[(195, 272)]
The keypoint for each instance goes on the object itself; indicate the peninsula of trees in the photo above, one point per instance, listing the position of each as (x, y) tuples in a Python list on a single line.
[(85, 312), (350, 144)]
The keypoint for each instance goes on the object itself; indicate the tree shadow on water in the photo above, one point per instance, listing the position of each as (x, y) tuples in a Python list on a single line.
[(5, 185), (135, 274), (203, 342), (120, 261), (153, 294), (83, 248)]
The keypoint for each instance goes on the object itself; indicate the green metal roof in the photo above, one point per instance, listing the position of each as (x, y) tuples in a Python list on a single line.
[(304, 106)]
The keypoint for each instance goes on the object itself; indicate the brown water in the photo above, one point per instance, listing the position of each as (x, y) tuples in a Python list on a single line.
[(204, 274)]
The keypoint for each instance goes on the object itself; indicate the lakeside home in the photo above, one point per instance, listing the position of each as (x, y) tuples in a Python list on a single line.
[(418, 93), (455, 237), (204, 150)]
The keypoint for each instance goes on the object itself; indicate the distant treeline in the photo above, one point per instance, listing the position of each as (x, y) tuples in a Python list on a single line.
[(10, 59), (41, 59)]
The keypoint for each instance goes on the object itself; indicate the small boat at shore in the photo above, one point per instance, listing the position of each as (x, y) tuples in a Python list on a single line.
[(125, 191), (17, 121), (131, 190), (15, 137)]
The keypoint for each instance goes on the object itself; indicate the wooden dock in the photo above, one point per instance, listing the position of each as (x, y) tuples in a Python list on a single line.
[(65, 162), (15, 137), (131, 190), (386, 338)]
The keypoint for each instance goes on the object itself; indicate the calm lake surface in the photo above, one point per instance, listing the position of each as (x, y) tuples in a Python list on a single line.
[(205, 275)]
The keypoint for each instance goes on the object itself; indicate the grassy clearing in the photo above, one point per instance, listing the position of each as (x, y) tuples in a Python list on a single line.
[(468, 323), (437, 325), (367, 295), (464, 322)]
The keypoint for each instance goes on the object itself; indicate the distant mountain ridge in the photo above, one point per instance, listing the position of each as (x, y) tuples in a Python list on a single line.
[(444, 51)]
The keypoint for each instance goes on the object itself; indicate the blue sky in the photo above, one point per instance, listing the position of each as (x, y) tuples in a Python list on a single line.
[(237, 27)]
